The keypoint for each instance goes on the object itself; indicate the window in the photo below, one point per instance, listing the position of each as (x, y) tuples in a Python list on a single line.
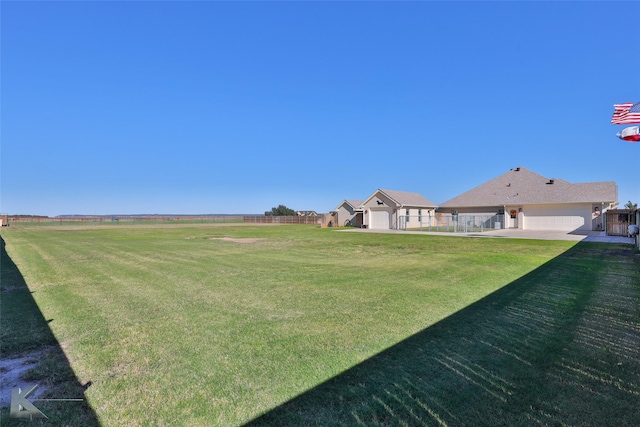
[(419, 215), (407, 215)]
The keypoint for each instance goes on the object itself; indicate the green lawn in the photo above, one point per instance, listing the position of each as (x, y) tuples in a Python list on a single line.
[(171, 325)]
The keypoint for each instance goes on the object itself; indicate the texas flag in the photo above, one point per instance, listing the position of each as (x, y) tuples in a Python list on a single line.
[(631, 134)]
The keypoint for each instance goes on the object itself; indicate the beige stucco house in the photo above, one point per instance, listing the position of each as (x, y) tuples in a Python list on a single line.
[(347, 213), (391, 209), (533, 202)]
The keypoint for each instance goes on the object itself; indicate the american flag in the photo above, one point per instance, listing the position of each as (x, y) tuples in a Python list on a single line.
[(627, 113)]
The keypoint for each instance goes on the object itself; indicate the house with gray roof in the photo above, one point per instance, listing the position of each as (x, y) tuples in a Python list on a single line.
[(390, 209), (533, 202)]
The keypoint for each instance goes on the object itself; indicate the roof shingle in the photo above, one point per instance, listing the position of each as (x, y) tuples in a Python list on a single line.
[(406, 198), (522, 186)]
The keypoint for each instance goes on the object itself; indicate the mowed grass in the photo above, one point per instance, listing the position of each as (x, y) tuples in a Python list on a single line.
[(173, 325)]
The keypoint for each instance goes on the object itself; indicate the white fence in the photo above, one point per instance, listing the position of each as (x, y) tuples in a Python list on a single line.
[(451, 223)]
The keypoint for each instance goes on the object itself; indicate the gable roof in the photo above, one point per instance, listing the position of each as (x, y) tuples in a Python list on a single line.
[(404, 198), (522, 186), (351, 202)]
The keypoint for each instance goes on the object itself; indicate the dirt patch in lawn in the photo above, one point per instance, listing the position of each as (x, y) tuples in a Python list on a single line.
[(11, 372), (238, 240)]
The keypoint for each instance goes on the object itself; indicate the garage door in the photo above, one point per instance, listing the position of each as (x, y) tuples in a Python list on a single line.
[(564, 218), (380, 219)]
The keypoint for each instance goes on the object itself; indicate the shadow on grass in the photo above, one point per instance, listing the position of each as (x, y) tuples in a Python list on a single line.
[(29, 347), (559, 346)]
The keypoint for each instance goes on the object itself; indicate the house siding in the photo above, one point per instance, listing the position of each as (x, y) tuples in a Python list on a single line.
[(379, 203), (418, 217), (345, 213), (565, 217)]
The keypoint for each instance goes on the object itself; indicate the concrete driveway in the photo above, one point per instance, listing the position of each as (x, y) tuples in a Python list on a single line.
[(585, 236)]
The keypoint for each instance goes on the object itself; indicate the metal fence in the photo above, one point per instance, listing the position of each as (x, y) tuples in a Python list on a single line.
[(269, 219), (162, 219), (122, 220), (451, 223)]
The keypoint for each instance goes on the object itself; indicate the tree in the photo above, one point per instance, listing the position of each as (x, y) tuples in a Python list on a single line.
[(281, 210), (631, 205)]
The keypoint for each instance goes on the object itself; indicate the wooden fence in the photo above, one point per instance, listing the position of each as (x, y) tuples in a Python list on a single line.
[(618, 221)]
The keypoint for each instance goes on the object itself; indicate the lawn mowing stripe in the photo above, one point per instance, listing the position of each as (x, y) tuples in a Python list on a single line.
[(254, 325)]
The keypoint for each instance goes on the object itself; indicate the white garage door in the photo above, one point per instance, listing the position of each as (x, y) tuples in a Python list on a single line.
[(380, 219), (565, 218)]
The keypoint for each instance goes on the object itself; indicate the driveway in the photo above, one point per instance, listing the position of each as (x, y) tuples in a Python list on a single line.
[(585, 236)]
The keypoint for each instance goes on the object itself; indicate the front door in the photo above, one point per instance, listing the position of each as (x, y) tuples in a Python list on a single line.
[(512, 218)]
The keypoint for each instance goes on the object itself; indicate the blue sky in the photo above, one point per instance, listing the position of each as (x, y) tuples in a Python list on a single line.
[(236, 107)]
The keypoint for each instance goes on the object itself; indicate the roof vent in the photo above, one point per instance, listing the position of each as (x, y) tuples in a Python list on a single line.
[(551, 181), (517, 169)]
